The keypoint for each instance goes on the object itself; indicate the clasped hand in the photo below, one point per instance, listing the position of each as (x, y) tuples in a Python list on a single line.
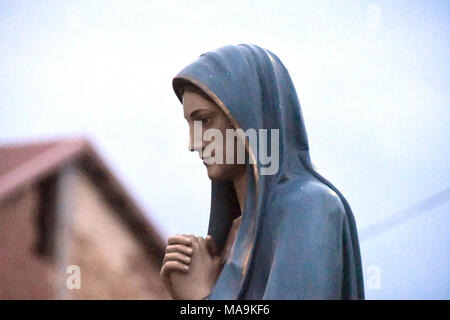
[(191, 267)]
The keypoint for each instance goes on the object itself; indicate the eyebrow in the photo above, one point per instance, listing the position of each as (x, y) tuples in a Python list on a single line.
[(195, 112)]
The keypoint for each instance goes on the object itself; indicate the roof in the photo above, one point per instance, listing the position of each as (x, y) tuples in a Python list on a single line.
[(22, 165)]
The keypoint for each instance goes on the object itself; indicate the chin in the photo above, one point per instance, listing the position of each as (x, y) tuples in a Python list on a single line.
[(216, 172)]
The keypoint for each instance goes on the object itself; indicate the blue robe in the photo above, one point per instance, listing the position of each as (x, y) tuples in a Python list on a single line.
[(297, 238)]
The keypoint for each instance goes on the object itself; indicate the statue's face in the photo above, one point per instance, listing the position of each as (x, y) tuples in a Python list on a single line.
[(197, 108)]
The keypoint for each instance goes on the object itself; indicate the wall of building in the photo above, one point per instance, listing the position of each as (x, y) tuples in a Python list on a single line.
[(24, 274), (89, 234), (112, 261)]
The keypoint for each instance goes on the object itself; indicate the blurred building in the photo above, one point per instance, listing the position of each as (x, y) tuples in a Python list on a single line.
[(60, 206)]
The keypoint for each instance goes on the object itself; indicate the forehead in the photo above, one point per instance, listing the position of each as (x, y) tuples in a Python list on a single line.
[(193, 101)]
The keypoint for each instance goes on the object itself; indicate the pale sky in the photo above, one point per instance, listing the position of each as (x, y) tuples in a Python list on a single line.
[(372, 78)]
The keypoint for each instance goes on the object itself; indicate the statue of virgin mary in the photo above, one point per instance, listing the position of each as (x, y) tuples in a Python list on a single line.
[(296, 237)]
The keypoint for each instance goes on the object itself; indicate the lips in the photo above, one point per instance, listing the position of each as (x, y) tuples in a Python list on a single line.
[(207, 159)]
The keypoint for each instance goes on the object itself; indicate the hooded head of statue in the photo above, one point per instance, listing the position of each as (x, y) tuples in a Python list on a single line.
[(297, 237)]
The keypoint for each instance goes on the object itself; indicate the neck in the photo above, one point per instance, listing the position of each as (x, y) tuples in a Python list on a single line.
[(240, 187)]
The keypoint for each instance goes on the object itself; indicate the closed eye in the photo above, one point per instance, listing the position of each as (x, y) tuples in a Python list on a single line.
[(205, 120)]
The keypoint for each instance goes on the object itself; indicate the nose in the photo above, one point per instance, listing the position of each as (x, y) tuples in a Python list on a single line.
[(194, 145), (191, 145)]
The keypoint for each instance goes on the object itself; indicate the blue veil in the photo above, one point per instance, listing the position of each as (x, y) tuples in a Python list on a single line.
[(297, 238)]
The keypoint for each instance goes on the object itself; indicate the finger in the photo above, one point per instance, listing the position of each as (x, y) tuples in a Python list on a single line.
[(179, 248), (169, 287), (191, 236), (180, 239), (168, 284), (171, 266), (176, 256), (211, 246), (202, 243), (194, 241)]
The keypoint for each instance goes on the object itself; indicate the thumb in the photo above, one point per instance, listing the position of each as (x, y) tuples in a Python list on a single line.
[(211, 246)]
